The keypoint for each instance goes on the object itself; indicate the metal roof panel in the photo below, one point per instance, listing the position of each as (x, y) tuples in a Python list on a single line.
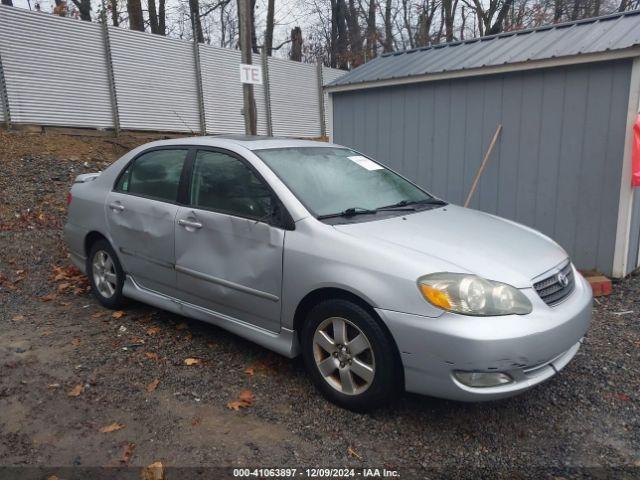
[(594, 35)]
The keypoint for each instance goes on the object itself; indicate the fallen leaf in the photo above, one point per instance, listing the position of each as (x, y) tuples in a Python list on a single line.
[(48, 298), (18, 318), (182, 326), (76, 391), (54, 385), (63, 286), (249, 371), (52, 477), (155, 471), (64, 304), (353, 453), (153, 330), (192, 361), (195, 421), (118, 314), (127, 452), (151, 355), (115, 426), (76, 342), (153, 385), (245, 399)]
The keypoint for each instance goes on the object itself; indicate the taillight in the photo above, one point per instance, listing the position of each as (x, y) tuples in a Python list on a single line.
[(69, 198)]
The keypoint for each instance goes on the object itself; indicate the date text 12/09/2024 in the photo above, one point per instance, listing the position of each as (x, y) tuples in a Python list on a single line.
[(315, 473)]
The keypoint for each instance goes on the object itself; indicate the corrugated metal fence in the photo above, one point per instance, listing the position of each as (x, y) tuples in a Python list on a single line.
[(64, 72)]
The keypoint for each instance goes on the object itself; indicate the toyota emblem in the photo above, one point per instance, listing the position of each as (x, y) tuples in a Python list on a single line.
[(562, 279)]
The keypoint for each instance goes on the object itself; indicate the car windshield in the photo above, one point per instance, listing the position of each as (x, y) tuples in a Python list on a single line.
[(331, 180)]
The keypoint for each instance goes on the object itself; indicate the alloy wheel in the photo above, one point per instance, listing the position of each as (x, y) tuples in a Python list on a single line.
[(104, 274), (344, 356)]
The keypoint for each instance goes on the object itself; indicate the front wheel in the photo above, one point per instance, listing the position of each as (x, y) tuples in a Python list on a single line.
[(349, 356), (106, 275)]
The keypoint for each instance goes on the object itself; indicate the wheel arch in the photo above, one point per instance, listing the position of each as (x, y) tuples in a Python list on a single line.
[(90, 238), (319, 295)]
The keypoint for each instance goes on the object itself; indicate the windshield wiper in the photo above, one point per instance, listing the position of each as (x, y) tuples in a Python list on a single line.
[(349, 212), (409, 203)]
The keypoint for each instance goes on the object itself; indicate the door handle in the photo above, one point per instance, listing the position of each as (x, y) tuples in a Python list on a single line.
[(189, 223), (116, 206)]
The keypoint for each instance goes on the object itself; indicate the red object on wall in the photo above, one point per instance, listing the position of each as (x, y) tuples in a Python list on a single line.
[(635, 155)]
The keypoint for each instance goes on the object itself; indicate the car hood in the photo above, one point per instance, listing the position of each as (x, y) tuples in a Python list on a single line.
[(469, 240)]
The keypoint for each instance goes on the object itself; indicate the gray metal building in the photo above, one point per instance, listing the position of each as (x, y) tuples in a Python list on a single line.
[(566, 96)]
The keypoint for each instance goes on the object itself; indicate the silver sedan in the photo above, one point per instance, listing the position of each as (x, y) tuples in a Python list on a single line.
[(314, 249)]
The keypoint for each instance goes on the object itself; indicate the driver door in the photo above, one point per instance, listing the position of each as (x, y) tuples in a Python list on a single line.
[(228, 256)]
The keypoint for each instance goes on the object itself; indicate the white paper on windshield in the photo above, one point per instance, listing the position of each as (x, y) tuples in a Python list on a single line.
[(364, 162)]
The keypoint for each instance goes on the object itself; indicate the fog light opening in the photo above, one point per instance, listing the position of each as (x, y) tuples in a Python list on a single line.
[(482, 379)]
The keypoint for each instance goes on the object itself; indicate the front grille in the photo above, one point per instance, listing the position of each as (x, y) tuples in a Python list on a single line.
[(551, 289)]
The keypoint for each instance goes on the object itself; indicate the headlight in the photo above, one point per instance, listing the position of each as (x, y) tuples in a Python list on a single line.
[(472, 295)]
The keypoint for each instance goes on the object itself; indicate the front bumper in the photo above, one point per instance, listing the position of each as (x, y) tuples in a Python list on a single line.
[(530, 348)]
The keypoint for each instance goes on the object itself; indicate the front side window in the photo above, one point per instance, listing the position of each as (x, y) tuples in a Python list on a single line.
[(330, 180), (155, 174), (224, 184)]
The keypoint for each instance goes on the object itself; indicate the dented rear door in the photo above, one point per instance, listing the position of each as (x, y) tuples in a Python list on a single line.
[(141, 212)]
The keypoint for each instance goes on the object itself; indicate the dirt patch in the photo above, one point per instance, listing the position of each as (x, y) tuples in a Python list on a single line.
[(55, 341)]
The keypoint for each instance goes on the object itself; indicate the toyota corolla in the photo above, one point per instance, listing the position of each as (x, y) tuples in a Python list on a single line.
[(314, 249)]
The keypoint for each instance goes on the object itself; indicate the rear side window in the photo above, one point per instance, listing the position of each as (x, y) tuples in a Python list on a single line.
[(155, 174), (223, 183)]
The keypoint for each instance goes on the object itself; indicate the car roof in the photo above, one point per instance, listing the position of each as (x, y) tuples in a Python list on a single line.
[(250, 142)]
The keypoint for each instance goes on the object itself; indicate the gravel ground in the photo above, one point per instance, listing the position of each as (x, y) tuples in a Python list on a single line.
[(69, 368)]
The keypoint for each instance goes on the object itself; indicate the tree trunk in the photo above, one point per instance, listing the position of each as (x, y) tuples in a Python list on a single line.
[(342, 53), (252, 18), (372, 31), (115, 16), (388, 28), (333, 47), (449, 8), (623, 6), (196, 24), (8, 3), (407, 23), (153, 17), (268, 33), (497, 25), (558, 10), (162, 18), (136, 21), (296, 45), (355, 35)]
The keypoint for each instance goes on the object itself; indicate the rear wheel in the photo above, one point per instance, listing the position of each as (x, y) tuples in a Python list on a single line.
[(106, 275), (349, 356)]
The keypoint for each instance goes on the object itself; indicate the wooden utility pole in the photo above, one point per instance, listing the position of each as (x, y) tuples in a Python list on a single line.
[(249, 110)]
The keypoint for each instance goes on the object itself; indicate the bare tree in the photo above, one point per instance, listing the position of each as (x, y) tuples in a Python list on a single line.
[(296, 44), (84, 7), (196, 24), (388, 28), (268, 33), (136, 20), (372, 30), (112, 6)]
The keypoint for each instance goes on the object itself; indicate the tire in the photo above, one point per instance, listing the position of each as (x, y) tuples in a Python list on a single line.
[(359, 376), (111, 297)]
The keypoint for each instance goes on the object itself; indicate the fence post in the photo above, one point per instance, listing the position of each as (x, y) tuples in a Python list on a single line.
[(196, 57), (267, 90), (112, 81), (323, 127), (4, 97)]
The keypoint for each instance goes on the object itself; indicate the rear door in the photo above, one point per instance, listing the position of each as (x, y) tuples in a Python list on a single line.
[(228, 256), (141, 212)]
